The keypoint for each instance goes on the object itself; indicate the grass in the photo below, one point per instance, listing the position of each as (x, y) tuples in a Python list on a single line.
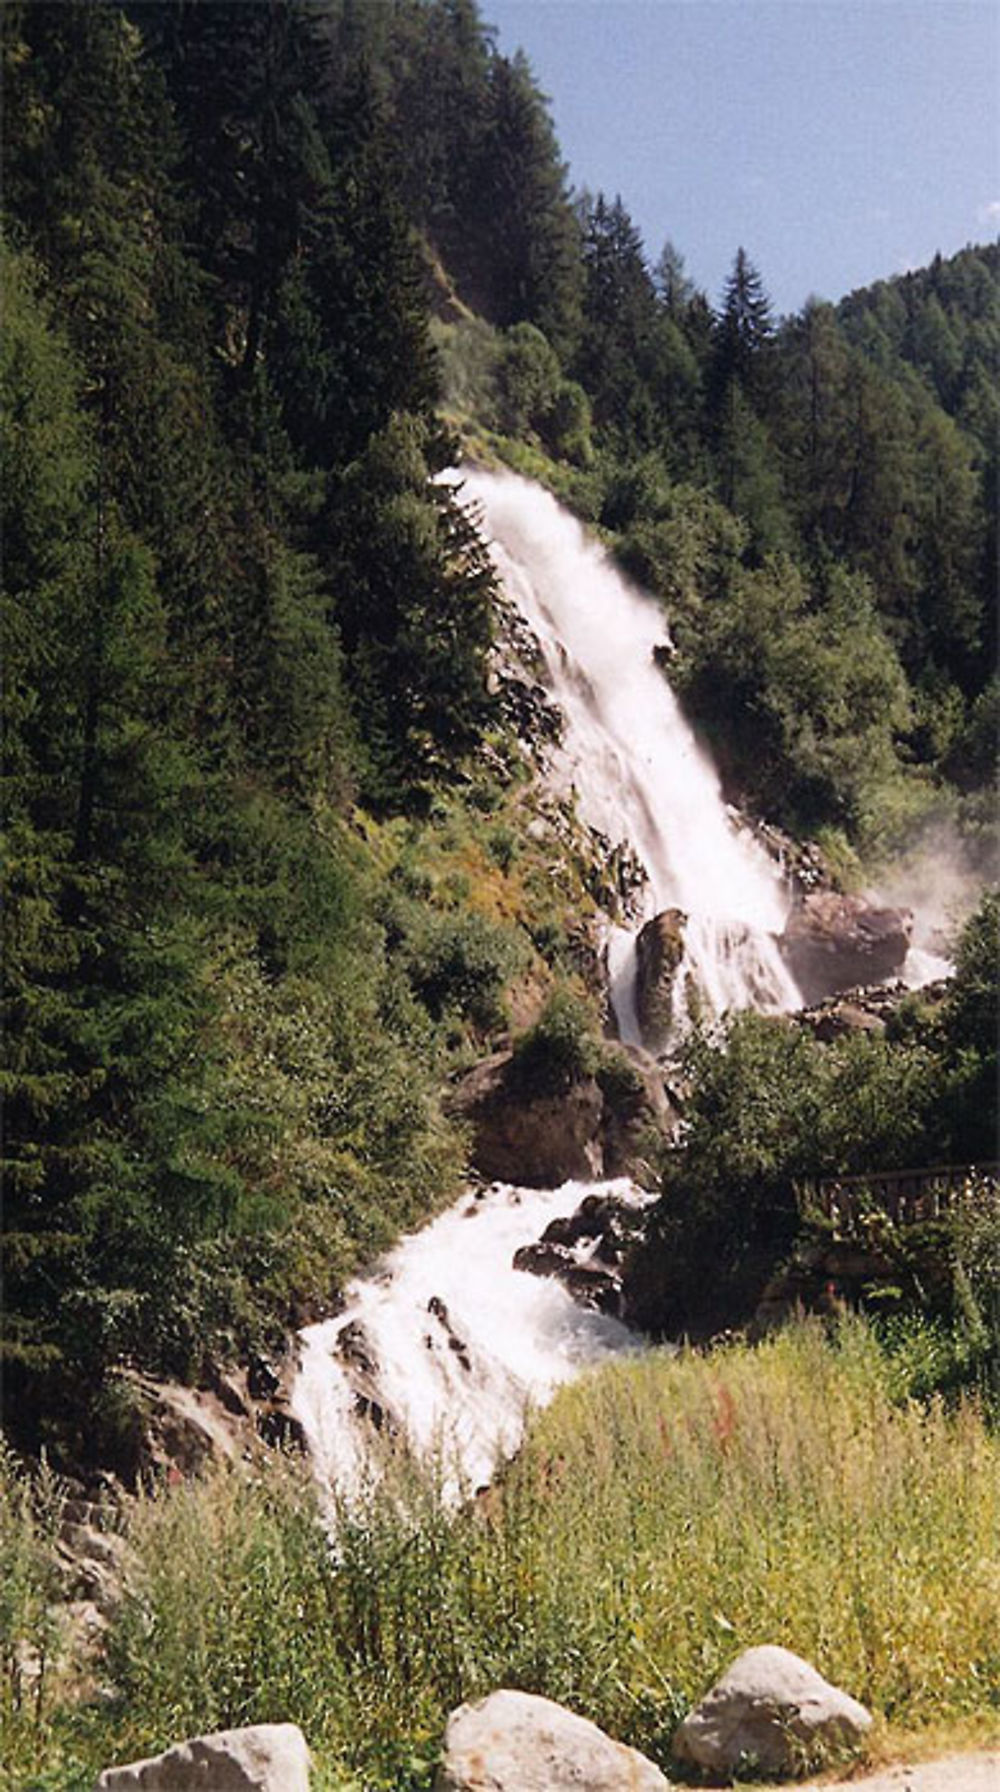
[(663, 1515)]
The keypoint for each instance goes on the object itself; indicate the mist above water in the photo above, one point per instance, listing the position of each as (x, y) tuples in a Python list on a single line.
[(638, 773)]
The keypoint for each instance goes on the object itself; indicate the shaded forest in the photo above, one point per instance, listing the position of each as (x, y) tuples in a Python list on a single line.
[(260, 264)]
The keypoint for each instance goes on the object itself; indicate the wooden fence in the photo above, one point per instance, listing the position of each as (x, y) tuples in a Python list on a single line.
[(907, 1197)]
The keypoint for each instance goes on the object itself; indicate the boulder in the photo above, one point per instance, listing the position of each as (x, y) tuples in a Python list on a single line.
[(834, 942), (93, 1566), (517, 1742), (534, 1141), (659, 950), (591, 1284), (771, 1712), (260, 1758)]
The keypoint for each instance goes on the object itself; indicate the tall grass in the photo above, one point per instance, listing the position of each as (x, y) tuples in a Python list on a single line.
[(663, 1514)]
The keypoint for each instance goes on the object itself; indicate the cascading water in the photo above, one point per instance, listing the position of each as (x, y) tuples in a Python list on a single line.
[(445, 1346), (453, 1342), (639, 775)]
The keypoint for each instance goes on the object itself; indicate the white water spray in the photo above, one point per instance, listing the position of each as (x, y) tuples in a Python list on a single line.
[(459, 1342), (638, 773)]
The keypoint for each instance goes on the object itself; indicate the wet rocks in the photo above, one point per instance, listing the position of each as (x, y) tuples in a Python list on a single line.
[(357, 1355), (437, 1309), (589, 1283), (585, 1250), (659, 951), (259, 1758), (833, 942), (518, 1742), (802, 862), (771, 1712)]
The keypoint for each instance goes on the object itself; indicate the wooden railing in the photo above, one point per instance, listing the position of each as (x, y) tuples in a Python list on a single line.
[(907, 1197)]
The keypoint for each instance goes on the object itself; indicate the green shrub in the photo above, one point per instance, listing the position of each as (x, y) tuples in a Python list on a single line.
[(460, 963), (559, 1050), (770, 1106), (527, 379)]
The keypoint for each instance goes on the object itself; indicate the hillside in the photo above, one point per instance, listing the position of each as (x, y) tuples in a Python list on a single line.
[(256, 850)]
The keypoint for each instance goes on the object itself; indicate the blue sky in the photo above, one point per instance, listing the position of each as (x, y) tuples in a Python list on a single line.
[(839, 141)]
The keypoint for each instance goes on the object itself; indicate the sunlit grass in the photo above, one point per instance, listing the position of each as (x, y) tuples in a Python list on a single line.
[(664, 1514)]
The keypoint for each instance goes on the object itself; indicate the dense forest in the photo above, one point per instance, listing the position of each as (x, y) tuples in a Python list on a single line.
[(269, 270)]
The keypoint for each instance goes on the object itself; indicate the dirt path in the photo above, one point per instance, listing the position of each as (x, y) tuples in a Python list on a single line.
[(979, 1772)]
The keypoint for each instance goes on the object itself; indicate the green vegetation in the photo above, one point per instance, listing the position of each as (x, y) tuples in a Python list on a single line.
[(664, 1514), (770, 1109)]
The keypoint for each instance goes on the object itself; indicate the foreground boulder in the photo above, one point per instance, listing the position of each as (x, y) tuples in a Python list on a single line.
[(770, 1711), (834, 942), (517, 1742), (260, 1758)]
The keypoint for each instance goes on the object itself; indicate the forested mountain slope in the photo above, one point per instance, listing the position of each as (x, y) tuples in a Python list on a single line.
[(259, 871)]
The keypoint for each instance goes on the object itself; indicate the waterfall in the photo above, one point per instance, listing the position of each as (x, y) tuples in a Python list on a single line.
[(444, 1346), (639, 775), (451, 1342)]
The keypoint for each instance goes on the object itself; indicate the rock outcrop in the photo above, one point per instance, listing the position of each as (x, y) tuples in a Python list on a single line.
[(659, 950), (771, 1712), (517, 1742), (537, 1142), (176, 1429), (260, 1758), (865, 1010), (598, 1126), (834, 942)]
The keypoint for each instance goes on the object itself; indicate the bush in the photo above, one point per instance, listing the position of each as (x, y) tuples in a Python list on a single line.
[(559, 1050), (527, 377), (770, 1106), (460, 964)]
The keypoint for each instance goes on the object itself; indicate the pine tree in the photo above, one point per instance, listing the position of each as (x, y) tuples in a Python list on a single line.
[(619, 322), (744, 334)]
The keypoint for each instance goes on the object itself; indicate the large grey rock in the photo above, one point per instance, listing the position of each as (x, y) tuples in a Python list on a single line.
[(517, 1742), (770, 1710), (535, 1141), (834, 942), (260, 1758)]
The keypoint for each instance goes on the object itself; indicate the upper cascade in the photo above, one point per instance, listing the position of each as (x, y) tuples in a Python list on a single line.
[(638, 773)]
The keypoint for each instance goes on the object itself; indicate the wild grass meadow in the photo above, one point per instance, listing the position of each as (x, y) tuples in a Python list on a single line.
[(664, 1514)]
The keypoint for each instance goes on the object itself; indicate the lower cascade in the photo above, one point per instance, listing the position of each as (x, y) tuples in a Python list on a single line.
[(446, 1345)]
